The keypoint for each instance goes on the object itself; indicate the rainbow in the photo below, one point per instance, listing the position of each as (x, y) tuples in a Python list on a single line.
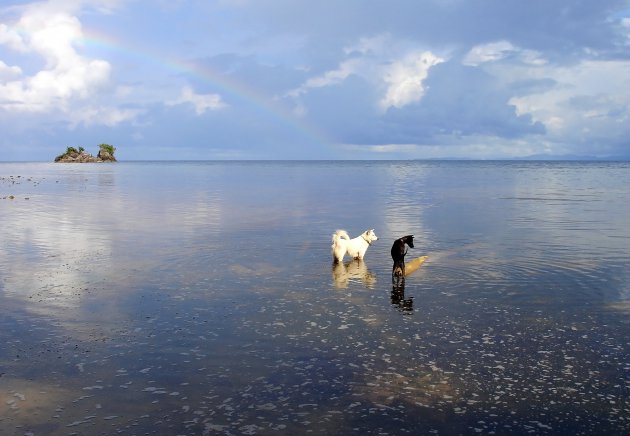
[(226, 86)]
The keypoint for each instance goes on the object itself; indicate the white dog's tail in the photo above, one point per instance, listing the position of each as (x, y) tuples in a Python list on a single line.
[(340, 234)]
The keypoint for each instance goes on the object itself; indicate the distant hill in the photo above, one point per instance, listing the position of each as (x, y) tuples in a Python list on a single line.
[(574, 157)]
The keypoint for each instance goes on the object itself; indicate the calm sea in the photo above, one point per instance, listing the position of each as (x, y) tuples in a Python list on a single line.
[(200, 298)]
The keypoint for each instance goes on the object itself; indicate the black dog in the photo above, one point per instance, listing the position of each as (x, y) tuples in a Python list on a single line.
[(398, 255)]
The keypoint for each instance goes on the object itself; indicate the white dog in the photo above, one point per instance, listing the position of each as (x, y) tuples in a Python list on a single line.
[(356, 247)]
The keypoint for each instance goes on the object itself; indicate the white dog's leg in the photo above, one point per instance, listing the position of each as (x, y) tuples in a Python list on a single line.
[(362, 249), (338, 250)]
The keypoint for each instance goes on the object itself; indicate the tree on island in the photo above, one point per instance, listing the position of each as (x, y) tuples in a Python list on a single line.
[(105, 154)]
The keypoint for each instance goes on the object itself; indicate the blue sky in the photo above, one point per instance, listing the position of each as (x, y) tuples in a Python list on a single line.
[(293, 79)]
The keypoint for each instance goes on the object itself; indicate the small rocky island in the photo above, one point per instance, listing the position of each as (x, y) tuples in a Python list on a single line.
[(72, 155)]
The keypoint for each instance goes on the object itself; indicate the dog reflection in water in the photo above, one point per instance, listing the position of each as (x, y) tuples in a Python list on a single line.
[(354, 270), (398, 295)]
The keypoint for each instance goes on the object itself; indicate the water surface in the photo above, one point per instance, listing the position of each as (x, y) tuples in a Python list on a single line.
[(200, 297)]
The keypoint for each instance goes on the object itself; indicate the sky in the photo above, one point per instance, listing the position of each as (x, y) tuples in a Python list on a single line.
[(304, 79)]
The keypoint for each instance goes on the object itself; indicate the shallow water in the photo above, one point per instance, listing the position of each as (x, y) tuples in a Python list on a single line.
[(199, 297)]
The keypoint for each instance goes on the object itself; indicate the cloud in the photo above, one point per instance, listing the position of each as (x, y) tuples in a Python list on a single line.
[(11, 38), (66, 74), (589, 104), (445, 102), (107, 116), (201, 102), (9, 72), (65, 83), (332, 77), (397, 70), (583, 105), (501, 50), (405, 79), (488, 53)]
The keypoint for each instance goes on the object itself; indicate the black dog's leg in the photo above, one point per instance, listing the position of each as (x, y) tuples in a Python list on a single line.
[(402, 261), (398, 278), (398, 270)]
